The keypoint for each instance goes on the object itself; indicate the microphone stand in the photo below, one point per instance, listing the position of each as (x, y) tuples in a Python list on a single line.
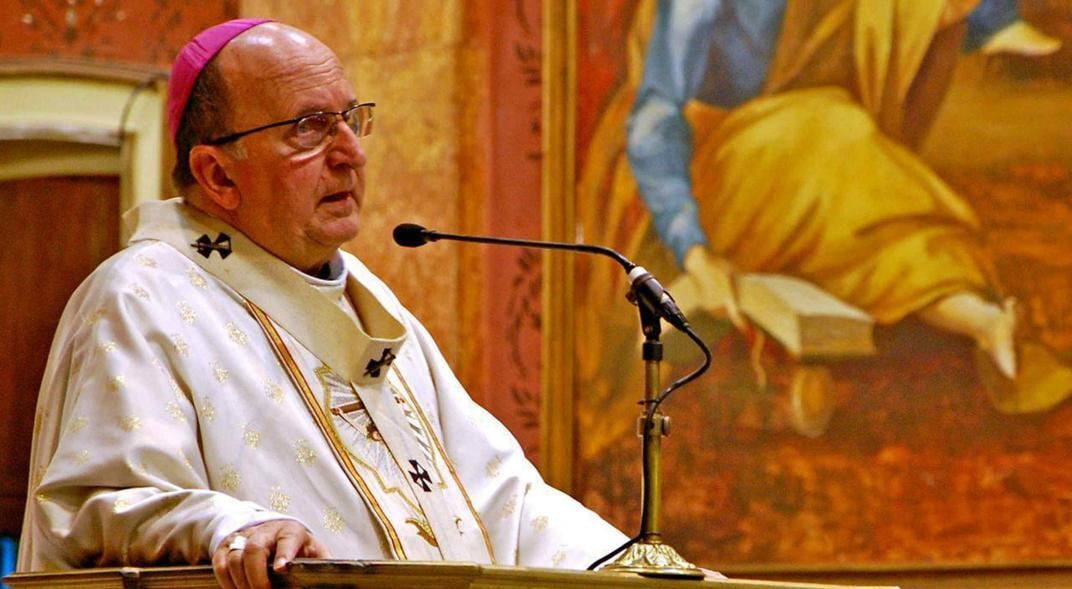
[(649, 555), (645, 554)]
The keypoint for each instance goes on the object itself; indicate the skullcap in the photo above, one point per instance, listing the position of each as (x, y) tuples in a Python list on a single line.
[(193, 58)]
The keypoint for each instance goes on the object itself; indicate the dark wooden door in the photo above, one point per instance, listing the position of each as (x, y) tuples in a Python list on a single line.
[(53, 232)]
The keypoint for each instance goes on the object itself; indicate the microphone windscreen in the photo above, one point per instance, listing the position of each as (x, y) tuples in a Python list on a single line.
[(410, 235)]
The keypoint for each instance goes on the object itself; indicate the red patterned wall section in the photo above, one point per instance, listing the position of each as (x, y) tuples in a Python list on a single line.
[(513, 276), (148, 32)]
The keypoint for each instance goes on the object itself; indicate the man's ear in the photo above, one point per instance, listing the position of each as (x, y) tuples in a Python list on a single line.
[(210, 167)]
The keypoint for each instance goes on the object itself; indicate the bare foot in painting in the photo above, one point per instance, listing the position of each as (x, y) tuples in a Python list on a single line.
[(1020, 38), (993, 326), (999, 339)]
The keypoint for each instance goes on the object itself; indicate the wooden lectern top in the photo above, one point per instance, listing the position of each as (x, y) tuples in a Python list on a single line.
[(338, 574)]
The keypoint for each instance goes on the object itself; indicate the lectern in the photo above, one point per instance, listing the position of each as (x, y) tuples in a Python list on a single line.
[(343, 574)]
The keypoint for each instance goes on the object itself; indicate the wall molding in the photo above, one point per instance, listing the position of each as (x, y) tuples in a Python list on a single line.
[(62, 117)]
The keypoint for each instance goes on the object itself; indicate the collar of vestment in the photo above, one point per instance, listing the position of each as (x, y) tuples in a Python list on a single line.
[(359, 354)]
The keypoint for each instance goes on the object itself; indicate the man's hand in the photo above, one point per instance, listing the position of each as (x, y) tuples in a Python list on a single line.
[(707, 285), (247, 568)]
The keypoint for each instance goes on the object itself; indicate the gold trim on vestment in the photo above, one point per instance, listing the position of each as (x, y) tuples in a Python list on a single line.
[(337, 447), (425, 444), (446, 460), (418, 515), (383, 485)]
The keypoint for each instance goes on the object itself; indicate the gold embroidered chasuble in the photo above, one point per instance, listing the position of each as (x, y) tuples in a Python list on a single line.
[(198, 385)]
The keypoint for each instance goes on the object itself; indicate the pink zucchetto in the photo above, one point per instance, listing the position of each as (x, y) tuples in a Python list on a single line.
[(193, 58)]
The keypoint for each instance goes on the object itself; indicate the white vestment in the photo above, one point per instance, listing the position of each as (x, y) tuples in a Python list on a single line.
[(198, 385)]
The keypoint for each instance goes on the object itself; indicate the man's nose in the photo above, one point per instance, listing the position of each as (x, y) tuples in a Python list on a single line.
[(345, 148)]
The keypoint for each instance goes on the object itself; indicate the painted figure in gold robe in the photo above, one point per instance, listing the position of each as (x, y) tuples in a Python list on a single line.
[(781, 137)]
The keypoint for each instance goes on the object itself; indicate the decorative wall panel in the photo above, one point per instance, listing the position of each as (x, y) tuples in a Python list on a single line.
[(147, 32)]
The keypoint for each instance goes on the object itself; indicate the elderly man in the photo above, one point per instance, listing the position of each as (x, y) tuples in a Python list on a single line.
[(233, 387)]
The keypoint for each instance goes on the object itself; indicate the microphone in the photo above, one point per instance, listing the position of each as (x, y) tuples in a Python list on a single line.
[(643, 284), (412, 235)]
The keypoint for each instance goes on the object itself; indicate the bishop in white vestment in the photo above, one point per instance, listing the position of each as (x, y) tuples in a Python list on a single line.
[(232, 367), (191, 396)]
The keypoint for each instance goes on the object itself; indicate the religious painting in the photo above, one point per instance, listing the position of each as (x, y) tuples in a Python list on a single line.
[(865, 210)]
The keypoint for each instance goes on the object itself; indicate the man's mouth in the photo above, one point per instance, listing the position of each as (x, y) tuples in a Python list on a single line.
[(336, 197)]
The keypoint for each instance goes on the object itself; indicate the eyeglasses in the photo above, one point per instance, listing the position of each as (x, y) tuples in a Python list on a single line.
[(310, 131)]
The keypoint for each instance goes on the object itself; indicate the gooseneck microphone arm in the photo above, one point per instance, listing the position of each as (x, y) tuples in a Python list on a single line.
[(413, 235), (645, 290)]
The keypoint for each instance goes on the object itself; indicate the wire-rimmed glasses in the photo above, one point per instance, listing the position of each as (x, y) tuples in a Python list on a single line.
[(309, 131)]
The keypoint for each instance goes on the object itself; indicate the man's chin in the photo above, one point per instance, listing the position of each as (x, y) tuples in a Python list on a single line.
[(337, 232)]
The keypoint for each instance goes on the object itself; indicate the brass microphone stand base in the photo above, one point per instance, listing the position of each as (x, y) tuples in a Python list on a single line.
[(649, 557), (653, 559)]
